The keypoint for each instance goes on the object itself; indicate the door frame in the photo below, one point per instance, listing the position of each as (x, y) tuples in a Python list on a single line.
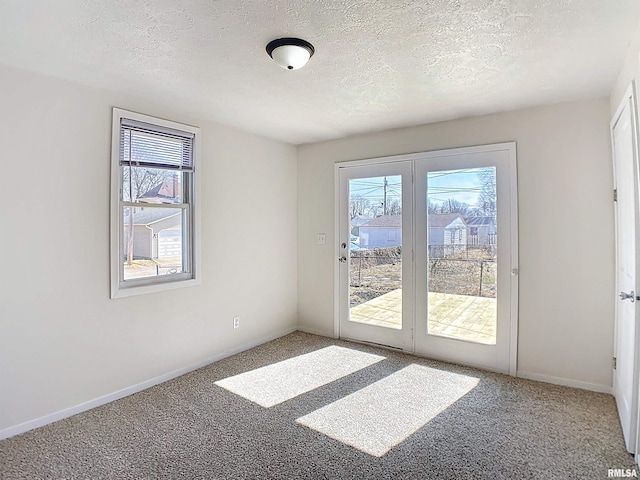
[(514, 267), (629, 99)]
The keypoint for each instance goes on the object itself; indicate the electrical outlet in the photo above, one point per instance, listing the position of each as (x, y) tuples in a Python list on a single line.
[(236, 322), (322, 239)]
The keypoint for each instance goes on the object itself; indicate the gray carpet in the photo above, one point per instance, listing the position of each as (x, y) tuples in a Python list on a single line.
[(389, 415)]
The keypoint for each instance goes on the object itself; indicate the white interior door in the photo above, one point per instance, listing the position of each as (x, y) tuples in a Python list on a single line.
[(374, 252), (625, 378), (466, 256)]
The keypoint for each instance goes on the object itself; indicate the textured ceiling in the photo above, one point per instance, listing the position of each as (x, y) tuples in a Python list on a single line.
[(379, 64)]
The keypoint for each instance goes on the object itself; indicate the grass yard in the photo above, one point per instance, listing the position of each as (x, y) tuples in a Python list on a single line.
[(470, 273), (141, 268)]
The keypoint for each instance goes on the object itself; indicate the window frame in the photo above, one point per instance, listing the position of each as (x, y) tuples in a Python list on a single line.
[(125, 288)]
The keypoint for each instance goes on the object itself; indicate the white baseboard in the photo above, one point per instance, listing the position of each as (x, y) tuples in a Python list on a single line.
[(313, 331), (594, 387), (125, 392)]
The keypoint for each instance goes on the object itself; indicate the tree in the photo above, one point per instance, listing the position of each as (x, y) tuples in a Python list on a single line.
[(432, 208), (142, 180), (487, 200), (358, 205), (452, 206), (394, 207)]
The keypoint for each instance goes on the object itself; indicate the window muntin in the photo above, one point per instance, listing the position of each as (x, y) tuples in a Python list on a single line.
[(155, 228)]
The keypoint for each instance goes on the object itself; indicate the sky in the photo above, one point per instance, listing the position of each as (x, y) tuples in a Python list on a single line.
[(373, 188), (461, 185)]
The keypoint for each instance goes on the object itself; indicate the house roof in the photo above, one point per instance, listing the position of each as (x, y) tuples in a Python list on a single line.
[(360, 220), (480, 221), (164, 192), (386, 221), (436, 220), (441, 220), (147, 216)]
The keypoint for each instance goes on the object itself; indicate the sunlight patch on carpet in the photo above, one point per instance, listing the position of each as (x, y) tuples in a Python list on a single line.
[(382, 415), (282, 381)]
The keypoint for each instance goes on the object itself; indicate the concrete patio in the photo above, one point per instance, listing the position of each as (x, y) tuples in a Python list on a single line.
[(454, 316)]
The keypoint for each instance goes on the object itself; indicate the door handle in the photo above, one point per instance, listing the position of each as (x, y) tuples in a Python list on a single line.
[(342, 259), (628, 296)]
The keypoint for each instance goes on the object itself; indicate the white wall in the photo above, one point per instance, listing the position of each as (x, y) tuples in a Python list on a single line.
[(566, 229), (630, 71), (62, 340)]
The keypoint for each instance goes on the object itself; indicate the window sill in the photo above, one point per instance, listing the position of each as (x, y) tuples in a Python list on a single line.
[(130, 291)]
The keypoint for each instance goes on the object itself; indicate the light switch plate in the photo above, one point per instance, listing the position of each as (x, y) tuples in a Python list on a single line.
[(322, 239)]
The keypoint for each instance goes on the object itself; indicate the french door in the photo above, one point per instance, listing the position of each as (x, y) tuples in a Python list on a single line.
[(375, 268), (427, 253), (466, 256)]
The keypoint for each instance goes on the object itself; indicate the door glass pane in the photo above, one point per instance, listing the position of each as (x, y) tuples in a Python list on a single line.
[(462, 246), (375, 251)]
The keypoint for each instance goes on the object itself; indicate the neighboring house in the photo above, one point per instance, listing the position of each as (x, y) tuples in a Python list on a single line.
[(481, 230), (357, 222), (156, 232), (447, 234), (166, 192), (383, 231)]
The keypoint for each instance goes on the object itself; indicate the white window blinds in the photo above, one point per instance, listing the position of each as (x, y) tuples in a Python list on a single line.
[(152, 146)]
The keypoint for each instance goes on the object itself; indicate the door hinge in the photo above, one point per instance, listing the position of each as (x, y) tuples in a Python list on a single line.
[(615, 195), (615, 363)]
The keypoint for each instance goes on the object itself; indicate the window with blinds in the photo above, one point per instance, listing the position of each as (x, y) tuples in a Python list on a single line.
[(146, 145), (155, 232)]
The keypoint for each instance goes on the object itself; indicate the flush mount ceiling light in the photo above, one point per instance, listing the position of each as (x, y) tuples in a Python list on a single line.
[(290, 53)]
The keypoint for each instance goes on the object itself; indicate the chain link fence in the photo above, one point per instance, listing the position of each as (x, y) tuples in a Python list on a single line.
[(470, 271)]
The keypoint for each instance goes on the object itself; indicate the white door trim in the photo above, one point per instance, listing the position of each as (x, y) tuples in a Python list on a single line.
[(629, 100), (515, 262)]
